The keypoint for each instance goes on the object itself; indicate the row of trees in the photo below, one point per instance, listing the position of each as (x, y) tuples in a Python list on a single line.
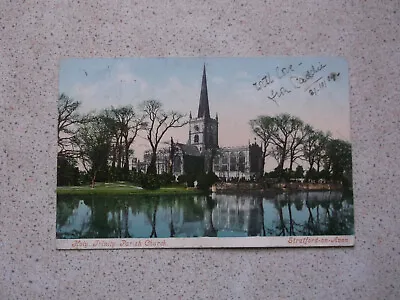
[(101, 141), (291, 141)]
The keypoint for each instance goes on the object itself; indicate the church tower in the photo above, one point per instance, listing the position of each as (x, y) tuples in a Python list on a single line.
[(203, 130)]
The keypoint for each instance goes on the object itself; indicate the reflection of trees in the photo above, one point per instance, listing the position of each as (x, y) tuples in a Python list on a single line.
[(327, 214), (313, 213), (261, 206), (119, 219), (178, 213), (152, 216), (256, 218), (291, 222), (168, 204), (210, 230), (73, 217), (282, 230), (126, 217), (337, 219), (65, 210), (99, 221), (309, 226), (280, 204), (171, 224), (298, 202)]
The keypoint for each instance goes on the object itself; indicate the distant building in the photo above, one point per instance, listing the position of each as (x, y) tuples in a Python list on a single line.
[(238, 162), (202, 147)]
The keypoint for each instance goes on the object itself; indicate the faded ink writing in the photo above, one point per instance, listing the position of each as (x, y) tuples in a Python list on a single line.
[(306, 80)]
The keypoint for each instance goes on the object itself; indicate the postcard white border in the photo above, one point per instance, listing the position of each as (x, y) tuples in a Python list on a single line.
[(208, 242), (231, 242)]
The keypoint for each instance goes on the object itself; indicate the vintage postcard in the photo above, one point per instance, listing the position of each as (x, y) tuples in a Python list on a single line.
[(204, 152)]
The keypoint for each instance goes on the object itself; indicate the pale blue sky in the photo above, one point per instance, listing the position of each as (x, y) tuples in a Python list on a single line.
[(100, 83)]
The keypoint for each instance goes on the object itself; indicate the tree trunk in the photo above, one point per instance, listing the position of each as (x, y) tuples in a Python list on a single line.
[(153, 222), (281, 220), (291, 164), (93, 180), (291, 222), (264, 156), (283, 158), (114, 156), (171, 158), (126, 161), (126, 158), (152, 168)]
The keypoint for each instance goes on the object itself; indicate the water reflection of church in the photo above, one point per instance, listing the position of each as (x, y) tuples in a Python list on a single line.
[(202, 146), (238, 214), (233, 216), (305, 213)]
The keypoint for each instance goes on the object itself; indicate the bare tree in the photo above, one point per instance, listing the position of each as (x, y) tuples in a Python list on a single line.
[(284, 137), (264, 127), (297, 137), (68, 118), (158, 123), (313, 146)]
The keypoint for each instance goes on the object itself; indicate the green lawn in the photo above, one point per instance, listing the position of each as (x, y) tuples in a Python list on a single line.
[(121, 188)]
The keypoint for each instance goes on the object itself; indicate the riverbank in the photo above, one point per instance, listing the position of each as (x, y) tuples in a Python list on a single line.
[(246, 187), (122, 188)]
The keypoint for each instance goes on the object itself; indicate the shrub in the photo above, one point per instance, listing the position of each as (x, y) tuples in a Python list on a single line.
[(205, 181), (182, 179), (166, 178), (150, 182)]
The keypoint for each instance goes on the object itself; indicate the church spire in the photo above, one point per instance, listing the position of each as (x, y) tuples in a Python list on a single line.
[(204, 109)]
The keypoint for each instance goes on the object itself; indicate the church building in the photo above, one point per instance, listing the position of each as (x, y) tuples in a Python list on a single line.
[(202, 152), (203, 130)]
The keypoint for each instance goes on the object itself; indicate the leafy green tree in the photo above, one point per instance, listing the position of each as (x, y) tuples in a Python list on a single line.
[(124, 123), (299, 173), (67, 170), (94, 141), (339, 160), (311, 174)]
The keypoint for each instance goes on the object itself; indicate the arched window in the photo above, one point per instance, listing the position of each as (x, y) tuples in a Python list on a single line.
[(196, 138)]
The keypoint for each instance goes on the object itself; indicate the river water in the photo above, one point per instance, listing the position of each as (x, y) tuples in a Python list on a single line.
[(217, 215)]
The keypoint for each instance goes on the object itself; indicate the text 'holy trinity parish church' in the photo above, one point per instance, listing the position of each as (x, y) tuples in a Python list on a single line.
[(202, 153)]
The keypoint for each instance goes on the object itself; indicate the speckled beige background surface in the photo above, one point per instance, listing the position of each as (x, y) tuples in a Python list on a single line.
[(34, 35)]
